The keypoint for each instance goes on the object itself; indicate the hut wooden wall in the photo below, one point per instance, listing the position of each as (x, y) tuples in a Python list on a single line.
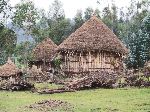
[(40, 64), (90, 61)]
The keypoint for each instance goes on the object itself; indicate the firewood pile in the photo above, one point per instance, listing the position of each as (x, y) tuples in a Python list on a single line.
[(21, 85), (147, 70), (94, 79), (137, 81), (36, 74), (136, 78), (51, 105)]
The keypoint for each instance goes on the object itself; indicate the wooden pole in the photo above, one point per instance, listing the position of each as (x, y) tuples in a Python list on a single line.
[(80, 62), (89, 65), (65, 62)]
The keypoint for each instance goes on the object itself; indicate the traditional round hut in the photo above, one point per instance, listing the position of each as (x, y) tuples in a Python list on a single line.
[(9, 71), (92, 47), (43, 54)]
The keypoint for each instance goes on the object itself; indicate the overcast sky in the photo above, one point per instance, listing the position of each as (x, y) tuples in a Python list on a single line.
[(71, 6)]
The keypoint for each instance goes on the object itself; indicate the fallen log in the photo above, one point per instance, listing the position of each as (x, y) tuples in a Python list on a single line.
[(52, 91)]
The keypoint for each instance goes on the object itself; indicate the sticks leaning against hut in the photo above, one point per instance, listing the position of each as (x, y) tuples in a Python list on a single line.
[(36, 75)]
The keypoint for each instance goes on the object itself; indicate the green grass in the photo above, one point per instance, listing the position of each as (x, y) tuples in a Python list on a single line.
[(96, 100)]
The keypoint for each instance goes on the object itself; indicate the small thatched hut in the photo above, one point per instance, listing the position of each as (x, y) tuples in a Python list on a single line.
[(92, 47), (9, 71), (43, 54)]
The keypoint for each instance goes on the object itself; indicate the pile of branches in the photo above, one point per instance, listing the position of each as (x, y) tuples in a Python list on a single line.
[(36, 74), (60, 77), (51, 105), (136, 81), (101, 79), (21, 85), (147, 70), (136, 78)]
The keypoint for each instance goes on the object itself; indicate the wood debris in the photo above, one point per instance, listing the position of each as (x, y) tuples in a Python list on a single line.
[(51, 105), (94, 79)]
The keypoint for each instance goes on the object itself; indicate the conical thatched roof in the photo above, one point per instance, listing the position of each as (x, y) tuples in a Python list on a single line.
[(44, 50), (93, 35), (9, 69)]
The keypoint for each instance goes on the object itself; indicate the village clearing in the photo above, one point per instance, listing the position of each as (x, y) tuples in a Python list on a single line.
[(94, 100)]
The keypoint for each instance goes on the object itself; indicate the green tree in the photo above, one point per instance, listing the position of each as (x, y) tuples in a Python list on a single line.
[(110, 18), (78, 20), (88, 13), (107, 17), (8, 40), (145, 27), (97, 13), (135, 36), (41, 29), (53, 25), (5, 9), (25, 17), (59, 26), (139, 49), (20, 49)]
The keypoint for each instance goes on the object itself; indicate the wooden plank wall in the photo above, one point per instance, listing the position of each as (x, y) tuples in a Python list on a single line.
[(89, 61)]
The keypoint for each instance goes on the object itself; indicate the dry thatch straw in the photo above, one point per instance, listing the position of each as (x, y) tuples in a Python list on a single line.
[(93, 35), (45, 50), (9, 69)]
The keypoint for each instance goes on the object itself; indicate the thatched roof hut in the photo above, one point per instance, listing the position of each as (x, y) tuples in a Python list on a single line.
[(43, 53), (92, 47), (45, 50), (9, 69), (93, 35)]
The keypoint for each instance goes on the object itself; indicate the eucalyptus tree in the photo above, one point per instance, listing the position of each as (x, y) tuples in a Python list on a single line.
[(78, 20), (59, 25), (88, 13), (25, 18), (136, 37), (8, 41), (5, 10), (8, 38)]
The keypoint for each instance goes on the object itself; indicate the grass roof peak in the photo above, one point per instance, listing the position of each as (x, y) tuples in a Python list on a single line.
[(45, 50), (93, 35)]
